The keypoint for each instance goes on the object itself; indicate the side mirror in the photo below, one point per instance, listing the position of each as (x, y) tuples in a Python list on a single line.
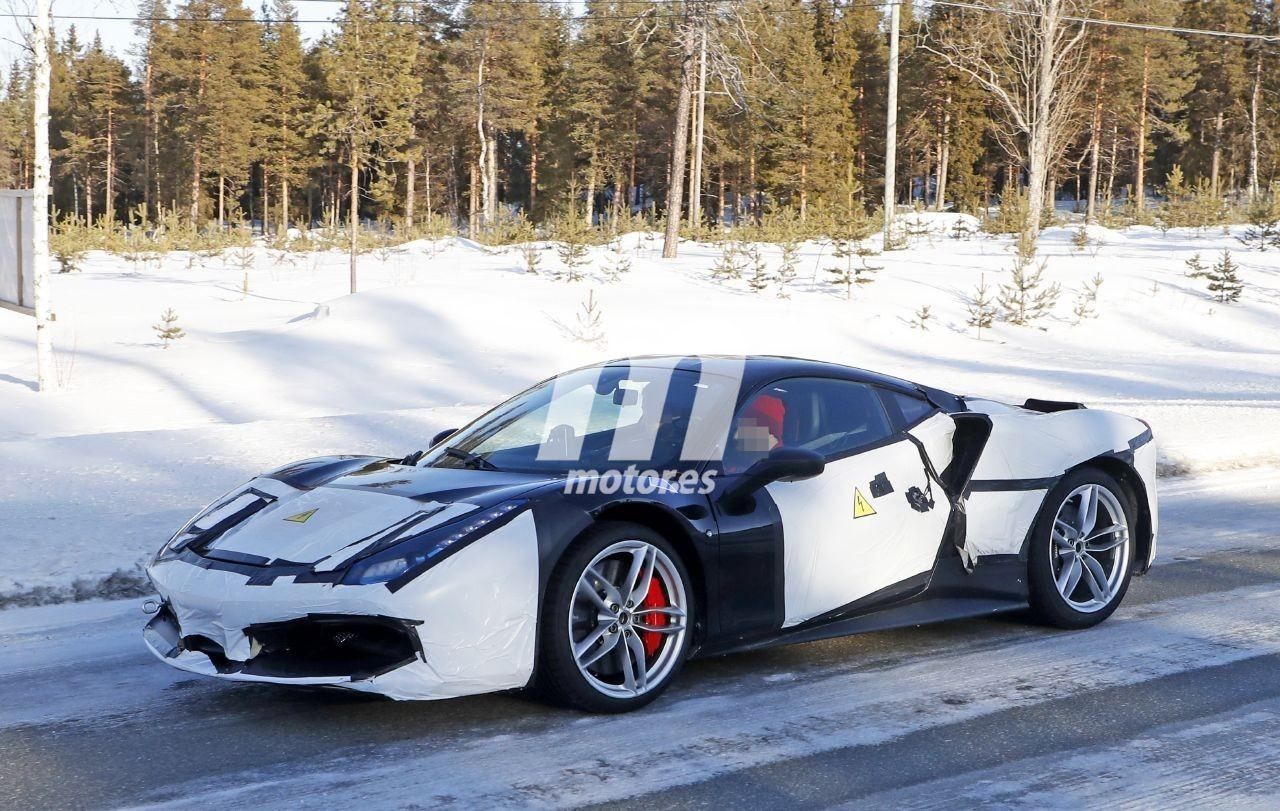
[(789, 464), (442, 436)]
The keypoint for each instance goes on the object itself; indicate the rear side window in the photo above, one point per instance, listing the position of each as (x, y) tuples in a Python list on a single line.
[(905, 409)]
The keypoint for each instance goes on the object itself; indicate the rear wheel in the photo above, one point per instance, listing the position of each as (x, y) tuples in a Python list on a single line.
[(615, 629), (1081, 554)]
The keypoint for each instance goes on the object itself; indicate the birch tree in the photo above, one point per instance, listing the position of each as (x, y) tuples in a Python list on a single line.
[(1030, 59)]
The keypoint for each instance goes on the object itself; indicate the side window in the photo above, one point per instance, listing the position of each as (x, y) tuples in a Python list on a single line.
[(906, 409), (831, 417)]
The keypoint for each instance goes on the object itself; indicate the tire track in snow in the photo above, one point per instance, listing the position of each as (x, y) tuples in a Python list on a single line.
[(674, 743), (1228, 760)]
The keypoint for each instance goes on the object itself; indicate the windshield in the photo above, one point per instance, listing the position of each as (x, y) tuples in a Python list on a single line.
[(603, 417)]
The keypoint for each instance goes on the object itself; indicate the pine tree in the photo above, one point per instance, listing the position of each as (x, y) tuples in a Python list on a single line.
[(1264, 221), (168, 330), (981, 308), (284, 148), (618, 263), (369, 75), (207, 78), (1085, 305), (1196, 268), (102, 113), (801, 112), (1224, 280), (729, 264), (1220, 81), (571, 233), (759, 280), (14, 109), (1026, 297)]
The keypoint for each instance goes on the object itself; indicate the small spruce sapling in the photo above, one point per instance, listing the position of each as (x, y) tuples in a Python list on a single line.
[(168, 330), (1264, 222), (862, 274), (1086, 301), (1196, 268), (981, 307), (921, 318), (1027, 298), (572, 233), (1224, 280), (531, 252), (789, 265), (618, 263), (1080, 238), (729, 264), (588, 326), (759, 280)]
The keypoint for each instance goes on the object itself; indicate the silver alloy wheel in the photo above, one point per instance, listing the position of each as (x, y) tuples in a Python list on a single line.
[(1090, 547), (607, 616)]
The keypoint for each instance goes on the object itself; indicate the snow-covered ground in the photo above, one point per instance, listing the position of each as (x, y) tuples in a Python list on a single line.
[(94, 476)]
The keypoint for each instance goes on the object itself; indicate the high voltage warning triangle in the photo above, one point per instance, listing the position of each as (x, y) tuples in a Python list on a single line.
[(301, 518), (861, 507)]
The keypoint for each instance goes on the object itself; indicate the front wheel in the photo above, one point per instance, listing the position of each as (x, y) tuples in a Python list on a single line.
[(1081, 555), (615, 629)]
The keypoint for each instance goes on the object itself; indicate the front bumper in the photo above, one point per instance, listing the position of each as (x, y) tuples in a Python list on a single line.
[(466, 626)]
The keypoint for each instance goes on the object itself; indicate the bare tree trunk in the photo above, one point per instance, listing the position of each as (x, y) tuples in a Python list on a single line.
[(195, 188), (944, 158), (1109, 188), (482, 161), (197, 149), (148, 143), (591, 182), (533, 173), (284, 205), (409, 192), (891, 128), (1095, 148), (695, 179), (1255, 102), (679, 152), (1140, 171), (1216, 164), (491, 183), (473, 203), (109, 207), (266, 204), (40, 201), (354, 216), (719, 215), (222, 200)]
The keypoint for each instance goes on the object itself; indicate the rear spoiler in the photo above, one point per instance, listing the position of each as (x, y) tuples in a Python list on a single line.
[(1051, 406)]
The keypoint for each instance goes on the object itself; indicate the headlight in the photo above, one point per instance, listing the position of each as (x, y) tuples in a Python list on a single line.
[(215, 518), (417, 551)]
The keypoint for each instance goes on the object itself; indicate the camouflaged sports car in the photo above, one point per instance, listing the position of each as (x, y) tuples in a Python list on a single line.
[(591, 534)]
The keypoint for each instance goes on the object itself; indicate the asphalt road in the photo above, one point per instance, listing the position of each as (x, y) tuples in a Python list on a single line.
[(1173, 701)]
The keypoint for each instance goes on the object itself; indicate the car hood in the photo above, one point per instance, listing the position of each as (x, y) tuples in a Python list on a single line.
[(323, 511)]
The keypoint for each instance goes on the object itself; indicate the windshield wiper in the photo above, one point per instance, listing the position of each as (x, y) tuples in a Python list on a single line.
[(472, 460)]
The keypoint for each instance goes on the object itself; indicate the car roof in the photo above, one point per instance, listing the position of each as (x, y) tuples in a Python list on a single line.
[(761, 369)]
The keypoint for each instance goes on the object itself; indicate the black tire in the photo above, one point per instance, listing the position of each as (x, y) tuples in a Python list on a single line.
[(559, 679), (1048, 605)]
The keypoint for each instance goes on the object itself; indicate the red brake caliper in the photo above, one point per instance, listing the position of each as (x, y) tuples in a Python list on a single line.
[(656, 597)]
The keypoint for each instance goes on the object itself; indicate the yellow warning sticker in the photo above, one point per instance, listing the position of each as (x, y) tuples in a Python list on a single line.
[(301, 518), (861, 507)]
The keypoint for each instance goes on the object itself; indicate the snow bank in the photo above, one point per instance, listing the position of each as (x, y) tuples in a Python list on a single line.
[(95, 476)]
